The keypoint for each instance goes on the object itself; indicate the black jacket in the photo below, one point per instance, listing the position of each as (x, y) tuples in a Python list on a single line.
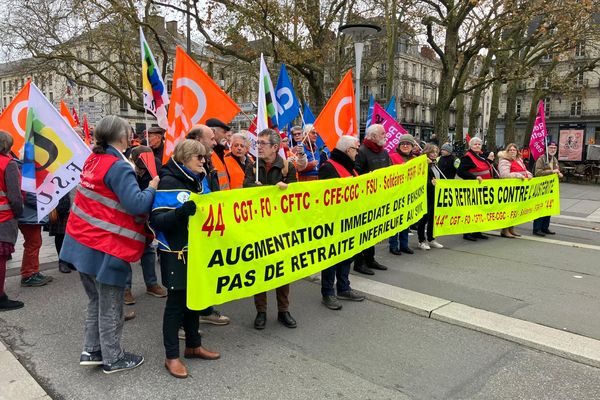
[(367, 160), (446, 165), (466, 165), (173, 265), (270, 177), (328, 171)]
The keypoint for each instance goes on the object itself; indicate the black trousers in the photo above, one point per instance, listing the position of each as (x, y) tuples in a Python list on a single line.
[(176, 315)]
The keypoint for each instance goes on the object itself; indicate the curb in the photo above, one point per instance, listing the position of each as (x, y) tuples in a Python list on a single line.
[(550, 340), (16, 382)]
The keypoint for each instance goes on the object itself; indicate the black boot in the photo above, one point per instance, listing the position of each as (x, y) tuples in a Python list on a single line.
[(261, 320), (286, 319), (360, 267), (6, 304), (64, 267)]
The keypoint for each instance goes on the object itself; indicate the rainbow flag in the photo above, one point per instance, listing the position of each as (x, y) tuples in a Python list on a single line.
[(156, 97), (267, 111)]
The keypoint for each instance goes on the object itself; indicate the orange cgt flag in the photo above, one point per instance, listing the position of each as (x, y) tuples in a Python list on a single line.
[(339, 114), (194, 99), (64, 111), (14, 119)]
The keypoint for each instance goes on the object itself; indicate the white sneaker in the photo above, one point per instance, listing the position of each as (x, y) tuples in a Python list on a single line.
[(424, 246), (435, 245)]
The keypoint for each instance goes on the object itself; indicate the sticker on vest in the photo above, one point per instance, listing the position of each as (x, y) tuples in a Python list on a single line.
[(182, 197)]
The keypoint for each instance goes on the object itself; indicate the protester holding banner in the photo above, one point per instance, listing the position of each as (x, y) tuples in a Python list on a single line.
[(447, 161), (398, 243), (182, 175), (433, 174), (340, 165), (546, 165), (473, 165), (237, 160), (510, 165), (371, 156), (311, 171), (272, 170), (12, 205), (105, 233)]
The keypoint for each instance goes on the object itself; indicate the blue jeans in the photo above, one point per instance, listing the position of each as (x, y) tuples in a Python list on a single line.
[(541, 224), (104, 319), (148, 262), (399, 238), (328, 275)]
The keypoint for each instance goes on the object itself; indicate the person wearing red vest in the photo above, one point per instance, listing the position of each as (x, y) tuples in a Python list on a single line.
[(340, 165), (105, 233), (237, 160), (473, 165), (510, 165), (11, 205)]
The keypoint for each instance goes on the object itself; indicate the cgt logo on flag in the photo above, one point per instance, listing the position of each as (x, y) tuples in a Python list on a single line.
[(14, 119)]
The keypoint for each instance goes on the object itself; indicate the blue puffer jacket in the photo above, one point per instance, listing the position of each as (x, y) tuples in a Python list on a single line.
[(29, 215)]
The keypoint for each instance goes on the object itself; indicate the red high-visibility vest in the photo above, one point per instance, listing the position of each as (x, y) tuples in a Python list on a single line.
[(98, 220), (517, 166), (342, 172), (221, 171), (482, 167), (5, 210)]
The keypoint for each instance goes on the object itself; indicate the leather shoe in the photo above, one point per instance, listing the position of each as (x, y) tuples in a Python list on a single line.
[(201, 352), (479, 235), (538, 233), (363, 269), (375, 265), (331, 302), (286, 319), (549, 232), (396, 252), (64, 268), (176, 368), (260, 321), (469, 237), (407, 250), (129, 315)]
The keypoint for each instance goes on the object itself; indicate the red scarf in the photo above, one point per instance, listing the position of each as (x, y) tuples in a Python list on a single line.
[(371, 145)]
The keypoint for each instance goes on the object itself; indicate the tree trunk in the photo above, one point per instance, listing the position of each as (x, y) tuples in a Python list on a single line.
[(476, 99), (535, 98), (494, 110), (460, 118), (511, 112), (442, 112)]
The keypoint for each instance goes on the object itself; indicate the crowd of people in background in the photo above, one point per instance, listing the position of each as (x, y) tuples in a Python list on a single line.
[(121, 214)]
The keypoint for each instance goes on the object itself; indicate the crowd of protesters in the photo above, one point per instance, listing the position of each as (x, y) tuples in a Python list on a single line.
[(123, 208)]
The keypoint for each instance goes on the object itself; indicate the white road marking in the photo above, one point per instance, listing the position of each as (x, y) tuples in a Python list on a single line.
[(553, 241)]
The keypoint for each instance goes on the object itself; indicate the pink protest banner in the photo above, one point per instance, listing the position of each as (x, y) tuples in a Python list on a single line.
[(393, 130), (537, 143)]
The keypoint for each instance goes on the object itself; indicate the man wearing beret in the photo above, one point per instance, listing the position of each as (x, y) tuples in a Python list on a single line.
[(156, 141)]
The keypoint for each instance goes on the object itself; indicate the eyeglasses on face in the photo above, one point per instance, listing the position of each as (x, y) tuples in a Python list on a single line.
[(262, 143), (406, 144)]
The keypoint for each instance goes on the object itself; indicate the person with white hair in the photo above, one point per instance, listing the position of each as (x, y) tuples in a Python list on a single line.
[(313, 155), (237, 159), (340, 165), (473, 165), (371, 156)]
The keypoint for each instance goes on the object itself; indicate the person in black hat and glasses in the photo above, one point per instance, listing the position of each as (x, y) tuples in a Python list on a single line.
[(156, 141)]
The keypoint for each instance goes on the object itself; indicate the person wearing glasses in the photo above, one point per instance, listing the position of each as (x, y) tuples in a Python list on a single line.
[(272, 170), (371, 156), (181, 176), (340, 165)]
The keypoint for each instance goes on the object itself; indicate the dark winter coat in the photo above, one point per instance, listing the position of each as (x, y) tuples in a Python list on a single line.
[(270, 177), (367, 160), (328, 171)]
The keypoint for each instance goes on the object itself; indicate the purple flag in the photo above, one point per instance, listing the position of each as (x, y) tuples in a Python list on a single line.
[(393, 130), (537, 143)]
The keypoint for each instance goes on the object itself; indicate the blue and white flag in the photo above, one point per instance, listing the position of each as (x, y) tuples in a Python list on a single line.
[(390, 108), (370, 112), (288, 105)]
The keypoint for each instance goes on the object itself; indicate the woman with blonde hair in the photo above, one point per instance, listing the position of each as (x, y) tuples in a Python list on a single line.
[(510, 165)]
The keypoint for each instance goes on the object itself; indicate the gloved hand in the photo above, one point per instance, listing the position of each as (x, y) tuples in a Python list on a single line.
[(188, 208)]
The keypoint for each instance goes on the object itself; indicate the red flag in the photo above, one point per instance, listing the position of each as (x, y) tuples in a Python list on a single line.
[(13, 119), (468, 138), (150, 162), (339, 114), (75, 116), (86, 130), (64, 111)]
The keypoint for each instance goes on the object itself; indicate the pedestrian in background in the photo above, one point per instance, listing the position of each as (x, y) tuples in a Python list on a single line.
[(433, 174), (544, 166)]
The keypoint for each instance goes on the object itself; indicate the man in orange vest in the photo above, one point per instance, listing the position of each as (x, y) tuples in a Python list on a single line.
[(216, 173), (237, 160), (340, 165)]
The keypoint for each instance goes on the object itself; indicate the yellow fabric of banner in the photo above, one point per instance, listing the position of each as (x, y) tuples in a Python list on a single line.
[(247, 241), (463, 206)]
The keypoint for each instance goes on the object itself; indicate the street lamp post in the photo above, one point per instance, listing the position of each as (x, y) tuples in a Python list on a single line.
[(359, 33)]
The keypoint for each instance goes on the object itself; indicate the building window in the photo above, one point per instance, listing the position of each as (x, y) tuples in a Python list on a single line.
[(4, 86), (546, 84), (580, 50), (170, 86), (384, 68), (547, 106), (123, 105), (518, 108), (51, 97), (91, 99), (412, 88), (576, 107), (382, 89), (414, 70), (365, 92), (579, 79)]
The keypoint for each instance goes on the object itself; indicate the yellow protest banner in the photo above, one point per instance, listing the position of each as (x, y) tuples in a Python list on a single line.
[(463, 206), (247, 241)]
